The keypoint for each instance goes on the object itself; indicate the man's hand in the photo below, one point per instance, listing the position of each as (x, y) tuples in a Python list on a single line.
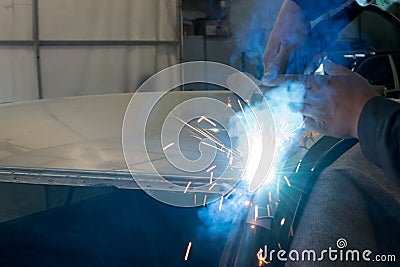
[(290, 30), (333, 102)]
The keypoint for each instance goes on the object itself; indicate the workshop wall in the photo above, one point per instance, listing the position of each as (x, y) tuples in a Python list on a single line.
[(17, 64), (85, 46)]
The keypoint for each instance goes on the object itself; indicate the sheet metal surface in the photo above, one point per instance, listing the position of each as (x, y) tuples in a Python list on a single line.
[(77, 141)]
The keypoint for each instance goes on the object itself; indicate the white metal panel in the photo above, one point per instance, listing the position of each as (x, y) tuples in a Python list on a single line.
[(77, 141), (16, 19), (81, 132), (77, 132), (108, 19), (17, 74)]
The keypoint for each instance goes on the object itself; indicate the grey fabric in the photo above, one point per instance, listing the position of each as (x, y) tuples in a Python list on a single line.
[(351, 199)]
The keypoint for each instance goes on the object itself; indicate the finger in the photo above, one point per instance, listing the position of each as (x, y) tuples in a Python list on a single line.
[(279, 62), (270, 53), (334, 70), (313, 111), (313, 98), (278, 79), (314, 125), (308, 81), (310, 123)]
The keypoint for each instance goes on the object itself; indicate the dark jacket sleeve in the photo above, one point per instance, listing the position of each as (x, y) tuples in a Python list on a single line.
[(379, 134), (312, 9)]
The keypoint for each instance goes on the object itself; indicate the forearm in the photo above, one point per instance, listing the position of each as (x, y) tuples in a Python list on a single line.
[(292, 46), (289, 31), (379, 134)]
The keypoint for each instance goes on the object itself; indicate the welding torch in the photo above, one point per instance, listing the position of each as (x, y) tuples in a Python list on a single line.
[(271, 82)]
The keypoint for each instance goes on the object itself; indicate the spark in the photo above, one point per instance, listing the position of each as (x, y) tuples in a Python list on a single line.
[(219, 142), (291, 230), (278, 189), (217, 148), (230, 193), (213, 137), (207, 135), (255, 212), (229, 103), (209, 121), (298, 127), (197, 137), (270, 196), (268, 210), (195, 199), (247, 203), (220, 203), (287, 181), (194, 128), (212, 186), (211, 168), (168, 146), (205, 200), (283, 221), (187, 187), (215, 130), (244, 114), (207, 144), (262, 262), (298, 166), (261, 258), (188, 251), (211, 177), (236, 167), (253, 226), (233, 151), (230, 161), (279, 246)]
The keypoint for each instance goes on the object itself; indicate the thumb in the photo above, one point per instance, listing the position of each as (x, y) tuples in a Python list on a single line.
[(279, 62), (335, 70)]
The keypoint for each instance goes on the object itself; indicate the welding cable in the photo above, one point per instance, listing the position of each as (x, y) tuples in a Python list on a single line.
[(293, 198), (331, 13), (322, 36)]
